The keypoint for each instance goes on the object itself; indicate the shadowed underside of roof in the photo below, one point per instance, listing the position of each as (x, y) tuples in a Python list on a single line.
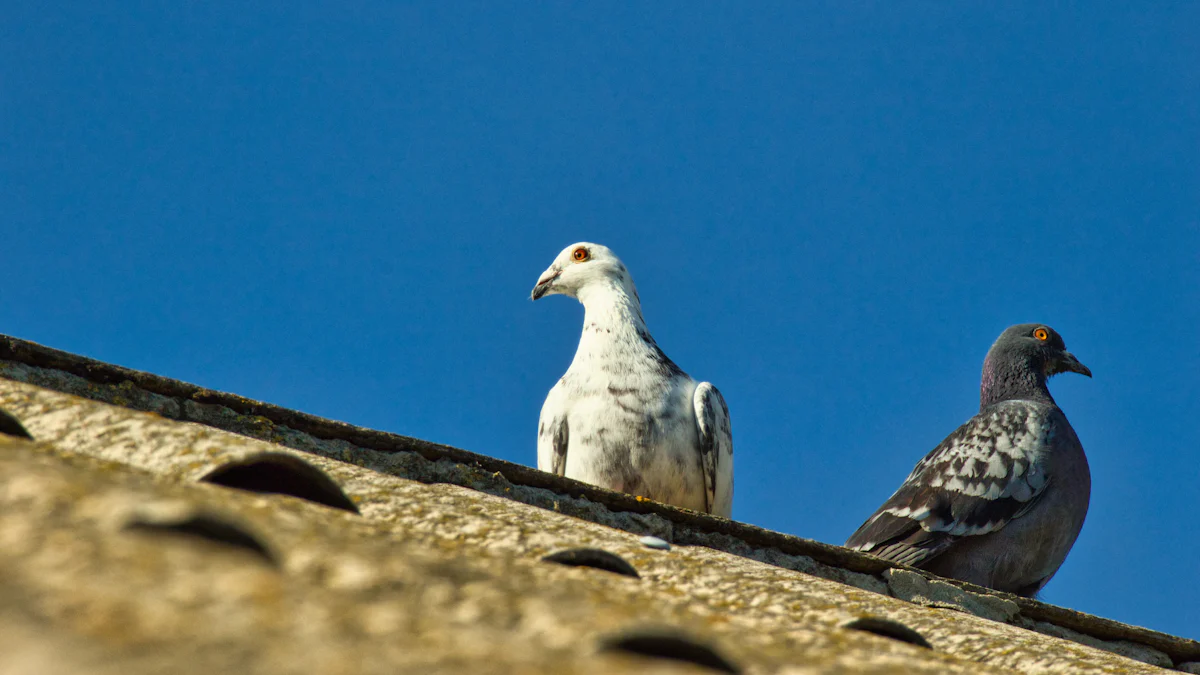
[(154, 526)]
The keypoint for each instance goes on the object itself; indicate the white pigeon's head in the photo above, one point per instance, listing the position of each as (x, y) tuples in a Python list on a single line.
[(580, 267)]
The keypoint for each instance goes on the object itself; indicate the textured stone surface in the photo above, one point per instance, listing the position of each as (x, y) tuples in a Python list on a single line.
[(100, 467), (349, 594), (1123, 647), (915, 588), (372, 467)]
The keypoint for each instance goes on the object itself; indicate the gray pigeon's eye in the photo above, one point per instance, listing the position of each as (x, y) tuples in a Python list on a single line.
[(1041, 334), (581, 254)]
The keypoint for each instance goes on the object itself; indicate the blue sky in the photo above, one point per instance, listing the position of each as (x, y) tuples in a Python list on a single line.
[(830, 209)]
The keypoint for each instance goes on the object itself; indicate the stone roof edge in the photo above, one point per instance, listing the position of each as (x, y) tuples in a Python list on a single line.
[(99, 372)]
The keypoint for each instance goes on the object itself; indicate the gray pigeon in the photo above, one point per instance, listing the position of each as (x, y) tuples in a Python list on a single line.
[(1000, 502), (624, 416)]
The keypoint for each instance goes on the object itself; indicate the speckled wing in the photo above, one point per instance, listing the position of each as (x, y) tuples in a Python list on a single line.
[(990, 471), (553, 433), (716, 449)]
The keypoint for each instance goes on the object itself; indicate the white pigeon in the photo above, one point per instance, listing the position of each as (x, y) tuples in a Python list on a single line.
[(624, 416)]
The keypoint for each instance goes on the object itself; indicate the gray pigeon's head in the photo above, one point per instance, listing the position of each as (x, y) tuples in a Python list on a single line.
[(580, 267), (1021, 360)]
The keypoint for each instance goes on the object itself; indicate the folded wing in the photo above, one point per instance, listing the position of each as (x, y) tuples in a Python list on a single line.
[(986, 474), (716, 448)]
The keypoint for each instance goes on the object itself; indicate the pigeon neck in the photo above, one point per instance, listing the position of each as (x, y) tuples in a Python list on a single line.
[(615, 337), (610, 307), (1012, 380)]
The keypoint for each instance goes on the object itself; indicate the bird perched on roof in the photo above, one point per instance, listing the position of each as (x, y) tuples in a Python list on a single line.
[(1000, 502), (624, 416)]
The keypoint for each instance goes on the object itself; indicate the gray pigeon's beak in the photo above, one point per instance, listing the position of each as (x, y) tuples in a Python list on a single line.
[(1068, 362), (544, 283)]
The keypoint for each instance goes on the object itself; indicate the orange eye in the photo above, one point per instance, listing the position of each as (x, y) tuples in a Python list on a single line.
[(580, 254), (1041, 334)]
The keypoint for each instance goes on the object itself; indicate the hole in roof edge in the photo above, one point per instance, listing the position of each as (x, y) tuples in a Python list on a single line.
[(11, 426), (671, 645), (888, 628), (279, 473), (595, 558), (207, 527)]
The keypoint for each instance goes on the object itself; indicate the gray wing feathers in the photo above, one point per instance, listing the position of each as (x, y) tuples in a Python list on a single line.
[(561, 435), (716, 449), (553, 437), (980, 478)]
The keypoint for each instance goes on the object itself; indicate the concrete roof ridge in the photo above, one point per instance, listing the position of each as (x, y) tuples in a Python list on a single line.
[(36, 364)]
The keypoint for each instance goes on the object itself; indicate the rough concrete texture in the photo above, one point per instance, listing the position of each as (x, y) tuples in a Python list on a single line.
[(432, 462), (1124, 648), (358, 583), (86, 592), (915, 588)]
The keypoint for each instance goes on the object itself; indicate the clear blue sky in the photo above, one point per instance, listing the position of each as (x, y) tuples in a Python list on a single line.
[(830, 210)]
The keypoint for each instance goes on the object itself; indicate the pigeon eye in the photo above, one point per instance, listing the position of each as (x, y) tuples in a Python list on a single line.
[(581, 254), (1041, 334)]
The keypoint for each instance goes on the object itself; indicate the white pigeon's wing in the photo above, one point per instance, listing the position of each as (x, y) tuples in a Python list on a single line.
[(553, 433), (986, 474), (716, 449)]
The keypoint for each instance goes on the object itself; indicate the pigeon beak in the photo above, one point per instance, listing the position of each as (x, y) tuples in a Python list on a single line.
[(1068, 362), (544, 283)]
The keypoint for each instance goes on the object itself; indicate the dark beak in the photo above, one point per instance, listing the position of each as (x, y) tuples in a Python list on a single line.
[(1068, 363), (544, 284)]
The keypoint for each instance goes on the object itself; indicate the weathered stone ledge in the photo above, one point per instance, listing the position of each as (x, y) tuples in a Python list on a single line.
[(433, 463)]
